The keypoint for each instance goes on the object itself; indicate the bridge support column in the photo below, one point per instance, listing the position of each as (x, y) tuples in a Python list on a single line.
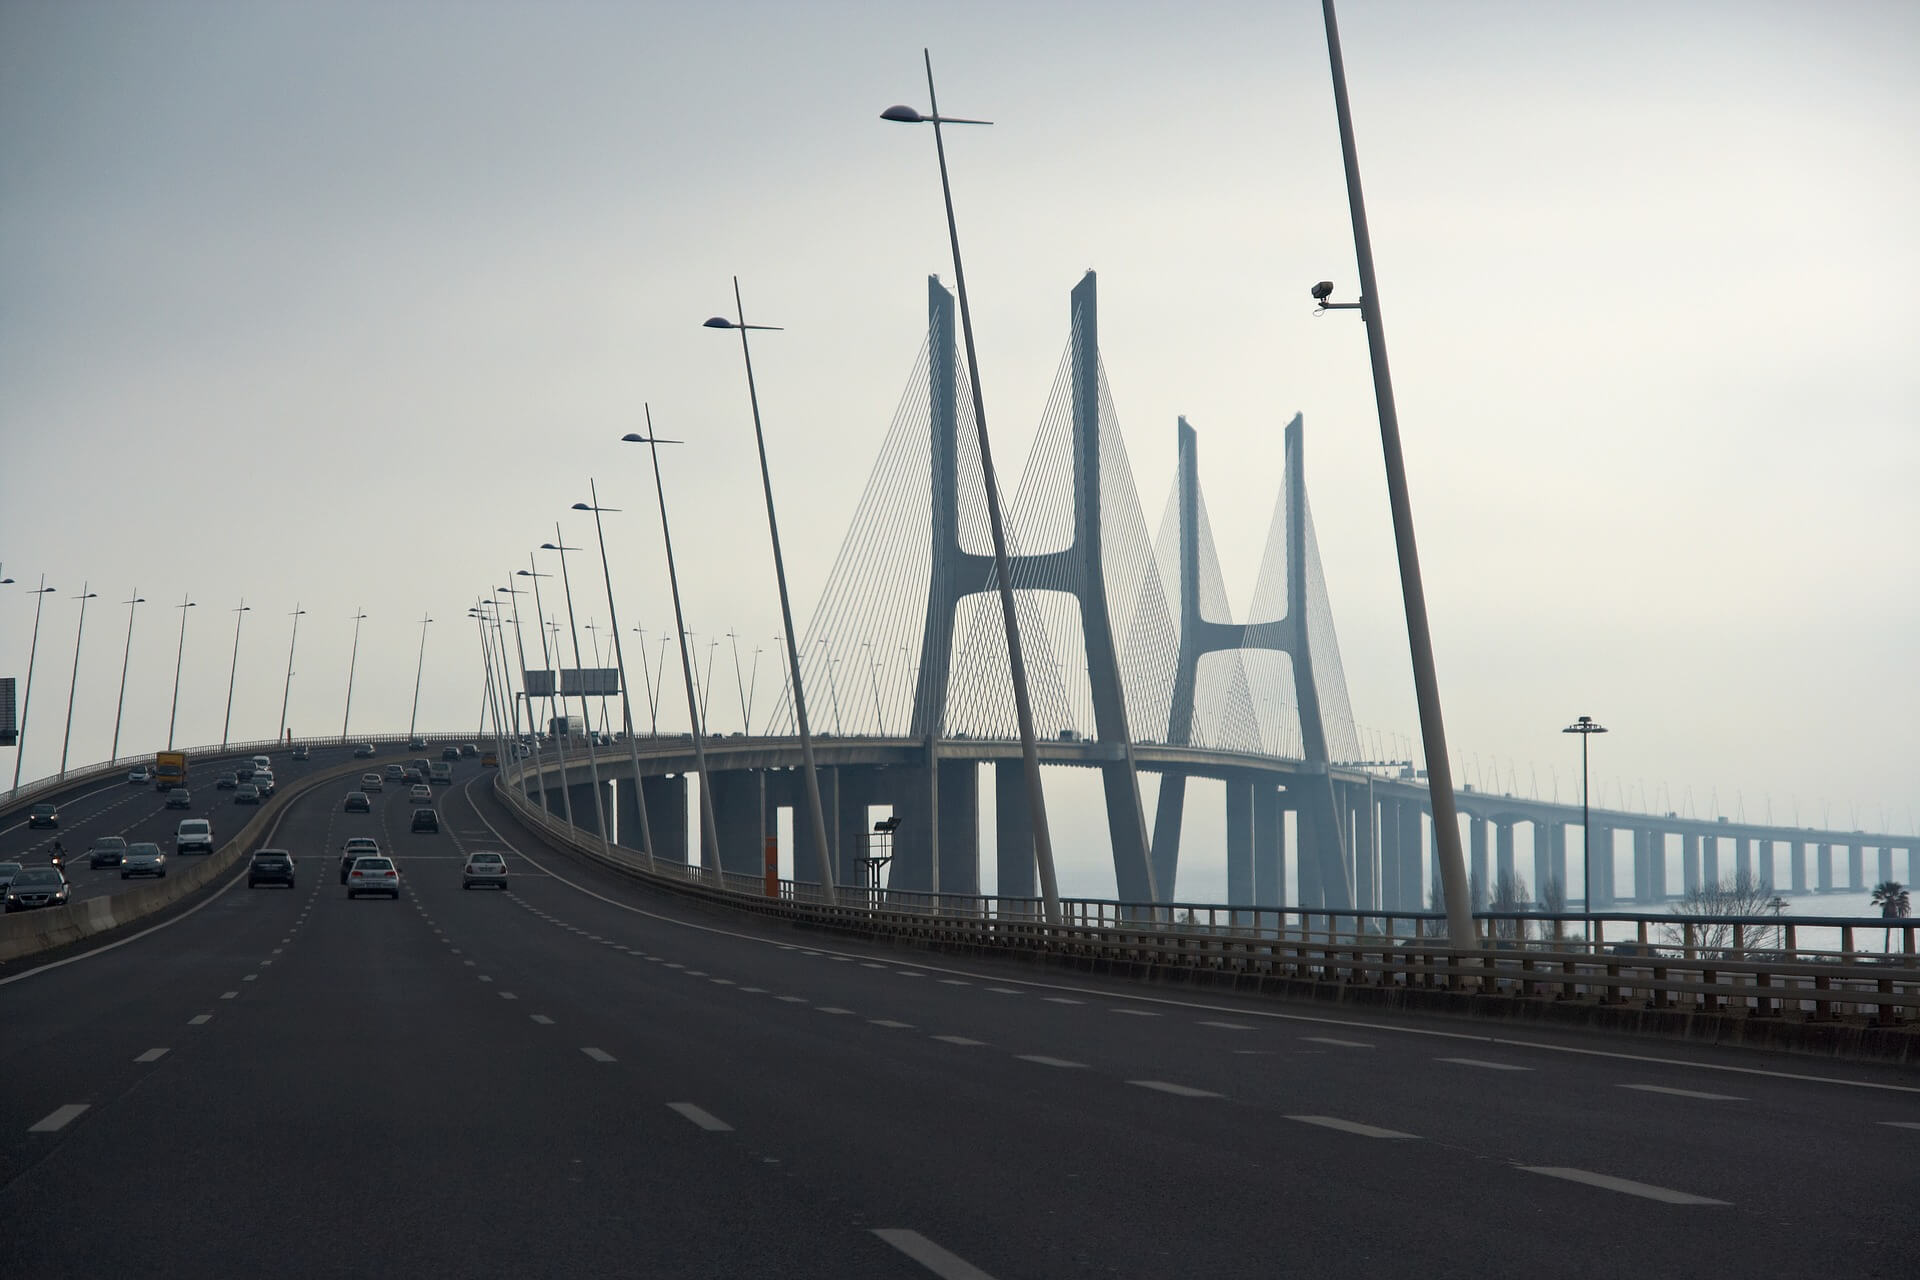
[(1269, 846), (848, 828), (1239, 842), (959, 826), (1823, 866), (913, 804), (1543, 873), (1709, 861), (1602, 873), (1886, 863), (1310, 870), (1503, 850), (1799, 855), (788, 790), (1656, 866), (1412, 839), (1690, 863), (1762, 871), (1366, 851), (1856, 866), (585, 815), (1743, 864), (1479, 873), (666, 815), (1013, 834), (738, 797)]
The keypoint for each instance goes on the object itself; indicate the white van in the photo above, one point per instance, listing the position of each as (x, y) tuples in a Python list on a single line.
[(263, 764), (193, 834)]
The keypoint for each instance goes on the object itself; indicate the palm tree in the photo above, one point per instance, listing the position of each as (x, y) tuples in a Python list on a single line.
[(1892, 899)]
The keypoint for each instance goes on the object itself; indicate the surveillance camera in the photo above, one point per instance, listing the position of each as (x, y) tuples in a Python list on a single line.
[(1322, 291)]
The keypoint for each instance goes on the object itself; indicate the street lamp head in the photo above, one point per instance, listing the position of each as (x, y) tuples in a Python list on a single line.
[(902, 115), (1585, 724), (717, 322), (581, 506), (633, 437)]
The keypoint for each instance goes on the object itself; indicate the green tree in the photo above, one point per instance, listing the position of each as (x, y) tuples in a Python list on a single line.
[(1894, 903)]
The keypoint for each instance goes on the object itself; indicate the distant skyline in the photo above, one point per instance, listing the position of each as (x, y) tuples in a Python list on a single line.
[(342, 304)]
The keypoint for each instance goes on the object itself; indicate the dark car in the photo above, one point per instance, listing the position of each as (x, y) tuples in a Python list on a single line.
[(179, 798), (469, 749), (243, 772), (425, 820), (107, 851), (357, 802), (416, 744), (415, 776), (246, 793), (363, 752), (270, 866), (226, 782), (357, 847), (44, 814), (450, 752), (301, 752), (37, 887)]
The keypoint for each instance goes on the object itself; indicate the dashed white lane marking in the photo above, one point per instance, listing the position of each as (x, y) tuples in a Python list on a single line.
[(1062, 1000), (700, 1116), (887, 1022), (696, 973), (229, 995), (252, 977), (946, 1265), (1605, 1182), (199, 1019), (508, 995), (1900, 1124), (59, 1118), (1227, 1026), (1684, 1093), (1177, 1090), (485, 978), (791, 999), (960, 1040), (1138, 1013), (541, 1018), (1045, 1061), (598, 1055), (955, 982), (152, 1055), (1004, 991), (671, 965), (1343, 1044), (868, 964), (1483, 1064), (910, 973), (1349, 1126), (753, 991), (828, 1008), (721, 982)]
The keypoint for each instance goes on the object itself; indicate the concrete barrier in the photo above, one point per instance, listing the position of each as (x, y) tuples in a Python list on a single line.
[(26, 933)]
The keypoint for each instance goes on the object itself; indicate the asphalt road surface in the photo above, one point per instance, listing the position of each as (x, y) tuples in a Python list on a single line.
[(581, 1077)]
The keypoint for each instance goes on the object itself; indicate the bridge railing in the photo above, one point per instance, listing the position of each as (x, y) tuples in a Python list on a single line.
[(1266, 947)]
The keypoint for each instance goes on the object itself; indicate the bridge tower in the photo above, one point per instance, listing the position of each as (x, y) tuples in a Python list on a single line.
[(1076, 569), (1323, 840)]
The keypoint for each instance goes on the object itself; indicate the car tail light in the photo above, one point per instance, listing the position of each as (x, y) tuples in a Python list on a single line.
[(359, 873)]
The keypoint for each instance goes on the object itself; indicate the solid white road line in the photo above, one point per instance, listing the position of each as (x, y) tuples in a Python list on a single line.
[(152, 1055), (598, 1055), (1684, 1093), (1344, 1044), (948, 1266), (1177, 1090), (705, 1119), (960, 1040), (1348, 1126), (1045, 1061), (1483, 1064), (1606, 1183), (59, 1118)]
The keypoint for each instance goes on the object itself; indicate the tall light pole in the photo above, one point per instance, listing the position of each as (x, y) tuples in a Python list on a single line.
[(520, 651), (287, 692), (353, 660), (560, 548), (1586, 727), (739, 683), (1446, 821), (1016, 662), (873, 675), (125, 656), (620, 661), (178, 657), (816, 812), (26, 699), (419, 670), (73, 684), (646, 674), (553, 676), (833, 688), (710, 829), (239, 616)]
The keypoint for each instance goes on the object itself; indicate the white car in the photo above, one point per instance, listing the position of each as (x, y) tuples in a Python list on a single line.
[(372, 782), (484, 868), (263, 764), (193, 834), (139, 775), (373, 875), (263, 782)]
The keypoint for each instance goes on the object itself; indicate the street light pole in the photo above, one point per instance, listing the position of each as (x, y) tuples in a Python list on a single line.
[(1446, 821), (1016, 662), (710, 829), (873, 676), (553, 677), (646, 675), (73, 684), (239, 616), (124, 658), (620, 661), (287, 692), (353, 660), (26, 700), (560, 548), (419, 670), (178, 657), (816, 812), (1586, 727), (833, 688)]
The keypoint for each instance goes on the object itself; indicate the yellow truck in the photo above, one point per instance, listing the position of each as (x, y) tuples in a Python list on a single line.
[(169, 770)]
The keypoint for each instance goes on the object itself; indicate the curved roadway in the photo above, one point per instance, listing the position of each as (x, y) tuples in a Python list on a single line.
[(583, 1077)]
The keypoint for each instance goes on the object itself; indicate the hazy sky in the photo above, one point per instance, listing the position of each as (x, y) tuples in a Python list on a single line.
[(342, 304)]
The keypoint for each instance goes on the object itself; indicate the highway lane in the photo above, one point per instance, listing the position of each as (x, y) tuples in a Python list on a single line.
[(449, 1058)]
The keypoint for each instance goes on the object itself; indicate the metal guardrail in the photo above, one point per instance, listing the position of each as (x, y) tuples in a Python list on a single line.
[(1234, 942)]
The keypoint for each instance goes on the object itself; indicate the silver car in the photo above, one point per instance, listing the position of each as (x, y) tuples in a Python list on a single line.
[(143, 859), (373, 875), (484, 868)]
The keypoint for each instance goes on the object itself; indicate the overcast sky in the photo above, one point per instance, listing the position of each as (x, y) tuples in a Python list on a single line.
[(342, 304)]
